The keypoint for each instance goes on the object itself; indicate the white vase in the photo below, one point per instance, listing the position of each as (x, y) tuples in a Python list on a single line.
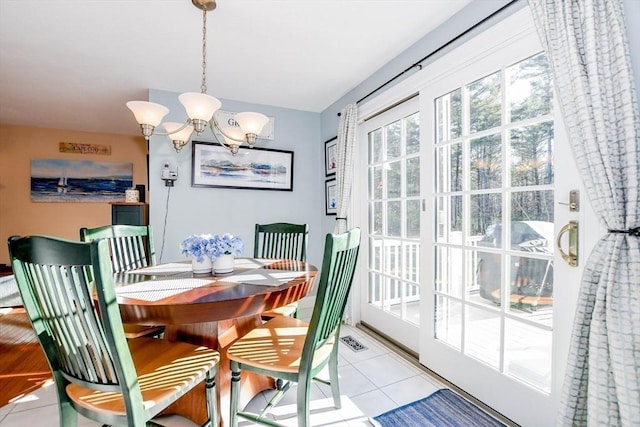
[(201, 267), (223, 264)]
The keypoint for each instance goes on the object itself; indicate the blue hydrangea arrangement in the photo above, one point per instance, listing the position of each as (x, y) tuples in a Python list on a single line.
[(224, 244), (201, 245)]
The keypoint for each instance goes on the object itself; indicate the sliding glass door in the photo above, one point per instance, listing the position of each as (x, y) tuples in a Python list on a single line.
[(393, 201), (466, 191)]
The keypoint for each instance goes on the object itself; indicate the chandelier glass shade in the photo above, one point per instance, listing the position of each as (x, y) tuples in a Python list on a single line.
[(200, 109)]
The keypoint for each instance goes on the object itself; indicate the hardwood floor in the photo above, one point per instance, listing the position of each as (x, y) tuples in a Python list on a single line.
[(23, 367)]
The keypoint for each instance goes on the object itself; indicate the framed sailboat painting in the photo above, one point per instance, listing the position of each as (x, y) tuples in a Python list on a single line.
[(59, 180)]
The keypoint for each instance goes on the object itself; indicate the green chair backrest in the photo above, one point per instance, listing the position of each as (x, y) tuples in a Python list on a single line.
[(57, 280), (131, 246), (336, 277), (281, 241)]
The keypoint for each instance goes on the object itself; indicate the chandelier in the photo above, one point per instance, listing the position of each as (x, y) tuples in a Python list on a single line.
[(200, 108)]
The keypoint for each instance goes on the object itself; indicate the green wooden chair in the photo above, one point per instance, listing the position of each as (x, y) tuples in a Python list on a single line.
[(68, 293), (295, 350), (281, 241), (131, 247)]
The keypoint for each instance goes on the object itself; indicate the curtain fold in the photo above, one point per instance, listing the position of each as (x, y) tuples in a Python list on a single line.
[(585, 41), (344, 169)]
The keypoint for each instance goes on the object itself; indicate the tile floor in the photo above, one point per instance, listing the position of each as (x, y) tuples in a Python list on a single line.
[(372, 381)]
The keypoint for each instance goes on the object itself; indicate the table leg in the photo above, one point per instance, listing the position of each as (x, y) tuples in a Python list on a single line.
[(219, 336)]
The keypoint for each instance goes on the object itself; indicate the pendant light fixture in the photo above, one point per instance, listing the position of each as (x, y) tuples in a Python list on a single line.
[(200, 108)]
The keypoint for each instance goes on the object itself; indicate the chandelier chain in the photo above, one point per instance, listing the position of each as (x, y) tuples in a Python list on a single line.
[(203, 86)]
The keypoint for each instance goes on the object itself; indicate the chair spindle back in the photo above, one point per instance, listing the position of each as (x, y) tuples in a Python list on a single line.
[(131, 246), (56, 281), (281, 241), (338, 270)]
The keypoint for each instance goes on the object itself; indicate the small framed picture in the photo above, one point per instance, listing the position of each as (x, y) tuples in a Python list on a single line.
[(331, 197), (331, 156)]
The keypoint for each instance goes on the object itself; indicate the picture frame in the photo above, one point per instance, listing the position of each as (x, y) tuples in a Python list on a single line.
[(79, 181), (331, 197), (331, 156), (251, 168)]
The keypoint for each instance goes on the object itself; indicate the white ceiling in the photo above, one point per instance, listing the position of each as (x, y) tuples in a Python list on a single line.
[(72, 64)]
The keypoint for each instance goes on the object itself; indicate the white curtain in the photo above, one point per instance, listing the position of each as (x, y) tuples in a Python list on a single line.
[(344, 171), (586, 44)]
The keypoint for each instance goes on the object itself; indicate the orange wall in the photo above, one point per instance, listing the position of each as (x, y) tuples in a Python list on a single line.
[(18, 215)]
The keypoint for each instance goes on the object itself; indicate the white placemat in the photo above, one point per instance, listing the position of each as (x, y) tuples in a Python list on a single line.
[(264, 277), (163, 269), (252, 262), (155, 290)]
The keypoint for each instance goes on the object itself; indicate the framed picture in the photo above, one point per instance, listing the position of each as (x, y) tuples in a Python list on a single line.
[(59, 180), (331, 197), (251, 168), (331, 156)]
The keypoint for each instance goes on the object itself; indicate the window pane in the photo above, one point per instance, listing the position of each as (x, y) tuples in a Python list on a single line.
[(394, 222), (370, 183), (375, 289), (375, 218), (485, 215), (532, 155), (456, 114), (456, 167), (375, 146), (449, 168), (484, 103), (529, 356), (449, 226), (394, 180), (412, 131), (377, 182), (393, 139), (531, 282), (530, 90), (375, 254), (482, 335), (489, 273), (413, 218), (412, 298), (413, 177), (449, 271), (471, 287), (448, 321), (392, 296), (392, 257), (449, 116), (533, 206), (412, 261), (485, 162)]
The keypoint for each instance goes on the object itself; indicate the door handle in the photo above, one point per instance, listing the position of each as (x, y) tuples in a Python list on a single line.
[(570, 258)]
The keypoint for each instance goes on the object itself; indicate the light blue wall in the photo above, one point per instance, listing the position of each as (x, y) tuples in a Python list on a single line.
[(218, 210)]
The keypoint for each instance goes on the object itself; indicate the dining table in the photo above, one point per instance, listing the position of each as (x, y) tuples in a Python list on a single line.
[(213, 311)]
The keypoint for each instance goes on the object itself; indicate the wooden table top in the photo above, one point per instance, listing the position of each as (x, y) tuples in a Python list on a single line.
[(184, 298)]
